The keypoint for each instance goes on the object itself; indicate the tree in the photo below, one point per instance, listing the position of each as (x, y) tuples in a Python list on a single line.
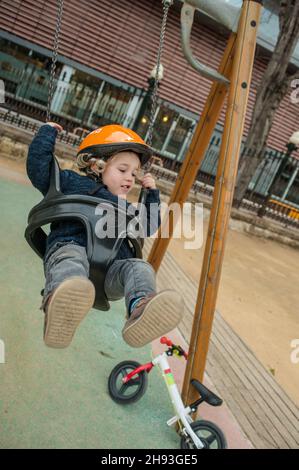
[(274, 86)]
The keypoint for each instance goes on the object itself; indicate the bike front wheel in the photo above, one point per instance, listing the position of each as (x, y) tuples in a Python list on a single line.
[(210, 435), (130, 391)]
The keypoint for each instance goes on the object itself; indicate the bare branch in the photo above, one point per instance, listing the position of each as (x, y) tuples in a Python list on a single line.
[(287, 9), (283, 12)]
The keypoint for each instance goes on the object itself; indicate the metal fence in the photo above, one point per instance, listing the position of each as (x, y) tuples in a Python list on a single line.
[(277, 209), (32, 125)]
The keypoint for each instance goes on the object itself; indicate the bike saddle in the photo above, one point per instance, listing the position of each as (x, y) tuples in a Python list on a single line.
[(206, 394)]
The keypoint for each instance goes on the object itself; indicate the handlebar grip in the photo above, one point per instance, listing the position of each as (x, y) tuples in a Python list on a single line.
[(165, 340)]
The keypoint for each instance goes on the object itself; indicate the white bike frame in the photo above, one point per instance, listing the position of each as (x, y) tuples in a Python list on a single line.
[(182, 413)]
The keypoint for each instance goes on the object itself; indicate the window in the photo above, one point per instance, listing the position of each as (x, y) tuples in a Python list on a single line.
[(110, 106), (180, 137)]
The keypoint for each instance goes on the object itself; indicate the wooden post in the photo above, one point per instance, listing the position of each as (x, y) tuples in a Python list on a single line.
[(195, 154), (240, 79)]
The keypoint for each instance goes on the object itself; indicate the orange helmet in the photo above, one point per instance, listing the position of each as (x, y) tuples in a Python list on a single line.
[(108, 140)]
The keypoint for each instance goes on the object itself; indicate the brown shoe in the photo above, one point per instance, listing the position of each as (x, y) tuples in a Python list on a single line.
[(153, 316), (66, 308)]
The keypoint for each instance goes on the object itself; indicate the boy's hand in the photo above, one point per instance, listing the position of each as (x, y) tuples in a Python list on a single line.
[(57, 126), (148, 181)]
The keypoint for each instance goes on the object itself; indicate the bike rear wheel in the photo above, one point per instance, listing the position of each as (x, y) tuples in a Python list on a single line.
[(211, 436)]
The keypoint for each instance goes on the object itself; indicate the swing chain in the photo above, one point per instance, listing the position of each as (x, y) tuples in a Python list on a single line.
[(166, 5), (54, 59)]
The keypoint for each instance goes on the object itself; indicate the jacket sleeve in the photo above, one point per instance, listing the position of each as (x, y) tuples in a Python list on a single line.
[(152, 204), (40, 155)]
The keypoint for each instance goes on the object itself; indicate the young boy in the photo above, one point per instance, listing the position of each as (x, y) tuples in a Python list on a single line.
[(110, 156)]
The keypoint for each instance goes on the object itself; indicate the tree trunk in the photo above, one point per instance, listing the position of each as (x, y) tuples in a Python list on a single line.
[(274, 86)]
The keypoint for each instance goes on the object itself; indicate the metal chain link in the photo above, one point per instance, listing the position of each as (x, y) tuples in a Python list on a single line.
[(166, 5), (54, 59)]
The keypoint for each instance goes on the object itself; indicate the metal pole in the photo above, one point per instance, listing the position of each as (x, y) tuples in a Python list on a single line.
[(291, 181)]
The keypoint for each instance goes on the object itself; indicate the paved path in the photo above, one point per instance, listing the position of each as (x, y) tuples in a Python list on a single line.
[(267, 416)]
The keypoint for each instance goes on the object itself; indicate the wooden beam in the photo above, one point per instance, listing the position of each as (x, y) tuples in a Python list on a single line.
[(240, 79), (195, 154)]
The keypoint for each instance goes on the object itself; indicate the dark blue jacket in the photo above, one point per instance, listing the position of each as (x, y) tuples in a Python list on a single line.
[(39, 160)]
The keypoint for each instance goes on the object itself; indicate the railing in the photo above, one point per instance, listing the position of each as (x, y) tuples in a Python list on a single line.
[(284, 213), (32, 125)]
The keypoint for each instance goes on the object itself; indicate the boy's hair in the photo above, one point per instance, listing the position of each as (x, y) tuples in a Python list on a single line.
[(86, 160)]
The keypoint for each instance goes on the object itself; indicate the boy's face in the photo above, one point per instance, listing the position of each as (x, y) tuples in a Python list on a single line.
[(120, 172)]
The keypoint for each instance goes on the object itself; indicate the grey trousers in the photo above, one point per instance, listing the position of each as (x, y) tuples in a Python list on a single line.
[(129, 278)]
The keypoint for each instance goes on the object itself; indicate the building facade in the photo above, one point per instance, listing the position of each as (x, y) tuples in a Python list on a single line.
[(107, 50)]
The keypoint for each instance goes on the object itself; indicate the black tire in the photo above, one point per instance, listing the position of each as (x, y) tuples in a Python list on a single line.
[(211, 436), (131, 391)]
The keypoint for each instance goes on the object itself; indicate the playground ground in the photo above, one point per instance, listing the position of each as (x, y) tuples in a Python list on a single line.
[(258, 298), (258, 293)]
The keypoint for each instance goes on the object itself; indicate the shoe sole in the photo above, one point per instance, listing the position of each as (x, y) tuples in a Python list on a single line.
[(68, 306), (161, 315)]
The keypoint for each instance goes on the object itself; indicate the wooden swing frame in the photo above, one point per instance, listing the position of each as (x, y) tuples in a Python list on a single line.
[(236, 65)]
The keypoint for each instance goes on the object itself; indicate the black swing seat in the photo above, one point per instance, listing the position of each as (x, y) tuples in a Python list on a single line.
[(88, 210), (206, 394)]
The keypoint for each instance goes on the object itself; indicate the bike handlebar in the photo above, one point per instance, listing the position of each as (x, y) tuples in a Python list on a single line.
[(178, 349), (165, 340)]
